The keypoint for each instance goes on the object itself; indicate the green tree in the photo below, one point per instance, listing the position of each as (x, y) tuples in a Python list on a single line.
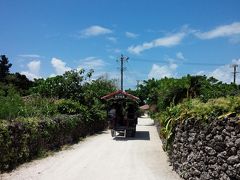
[(4, 67), (20, 82), (68, 86), (171, 91), (95, 89), (75, 85)]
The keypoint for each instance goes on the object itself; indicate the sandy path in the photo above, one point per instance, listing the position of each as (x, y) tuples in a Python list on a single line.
[(101, 157)]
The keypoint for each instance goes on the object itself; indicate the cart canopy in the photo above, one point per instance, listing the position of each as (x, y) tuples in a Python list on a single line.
[(120, 95)]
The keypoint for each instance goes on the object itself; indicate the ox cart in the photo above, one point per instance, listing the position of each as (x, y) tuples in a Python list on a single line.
[(122, 110)]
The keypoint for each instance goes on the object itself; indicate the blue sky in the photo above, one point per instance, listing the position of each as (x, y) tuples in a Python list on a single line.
[(161, 38)]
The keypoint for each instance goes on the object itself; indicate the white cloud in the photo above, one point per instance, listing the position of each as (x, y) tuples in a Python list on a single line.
[(112, 39), (95, 31), (173, 66), (34, 66), (223, 73), (92, 63), (168, 41), (200, 73), (159, 72), (29, 55), (59, 66), (180, 56), (99, 66), (52, 75), (33, 69), (30, 75), (220, 31), (131, 35)]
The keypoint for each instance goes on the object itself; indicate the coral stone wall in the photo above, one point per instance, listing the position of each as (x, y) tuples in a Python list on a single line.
[(207, 151)]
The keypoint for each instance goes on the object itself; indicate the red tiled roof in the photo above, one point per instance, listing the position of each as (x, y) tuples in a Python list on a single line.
[(144, 107), (111, 95)]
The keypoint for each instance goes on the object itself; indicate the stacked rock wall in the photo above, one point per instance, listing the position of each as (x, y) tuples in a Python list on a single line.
[(207, 150)]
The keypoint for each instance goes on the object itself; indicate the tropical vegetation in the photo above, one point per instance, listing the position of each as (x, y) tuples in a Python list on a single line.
[(44, 114), (174, 100)]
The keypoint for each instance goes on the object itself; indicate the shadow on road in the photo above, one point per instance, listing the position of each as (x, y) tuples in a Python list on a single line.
[(144, 117), (140, 135), (151, 124), (102, 132)]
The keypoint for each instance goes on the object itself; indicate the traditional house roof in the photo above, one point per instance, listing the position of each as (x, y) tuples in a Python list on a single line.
[(120, 95), (144, 107)]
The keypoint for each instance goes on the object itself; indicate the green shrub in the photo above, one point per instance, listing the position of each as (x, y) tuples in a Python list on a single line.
[(10, 105), (197, 110), (26, 138), (13, 106), (67, 106), (35, 105)]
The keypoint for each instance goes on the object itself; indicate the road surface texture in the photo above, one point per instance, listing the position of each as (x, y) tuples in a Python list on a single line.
[(101, 157)]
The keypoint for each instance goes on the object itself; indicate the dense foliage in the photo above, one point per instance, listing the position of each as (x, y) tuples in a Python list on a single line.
[(47, 113), (68, 85), (195, 109), (171, 91), (174, 100), (44, 114), (26, 138)]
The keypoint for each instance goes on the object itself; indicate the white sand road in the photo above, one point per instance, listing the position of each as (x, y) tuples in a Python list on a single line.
[(101, 157)]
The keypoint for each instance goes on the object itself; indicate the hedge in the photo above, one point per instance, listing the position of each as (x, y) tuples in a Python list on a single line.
[(24, 139), (194, 109)]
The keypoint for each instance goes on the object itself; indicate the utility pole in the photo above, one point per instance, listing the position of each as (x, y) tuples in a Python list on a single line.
[(122, 59), (234, 72)]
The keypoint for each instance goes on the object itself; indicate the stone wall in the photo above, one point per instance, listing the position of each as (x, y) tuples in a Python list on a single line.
[(207, 150)]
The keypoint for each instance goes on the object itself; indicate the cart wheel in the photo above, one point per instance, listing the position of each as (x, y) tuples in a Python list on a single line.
[(113, 133), (129, 132), (133, 133)]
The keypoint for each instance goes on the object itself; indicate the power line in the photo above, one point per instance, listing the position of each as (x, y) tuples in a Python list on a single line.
[(203, 64), (132, 73), (179, 62), (184, 63)]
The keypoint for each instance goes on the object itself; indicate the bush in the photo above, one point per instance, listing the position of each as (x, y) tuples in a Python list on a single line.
[(13, 106), (197, 110), (39, 122), (26, 138), (10, 105), (66, 106), (37, 106)]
